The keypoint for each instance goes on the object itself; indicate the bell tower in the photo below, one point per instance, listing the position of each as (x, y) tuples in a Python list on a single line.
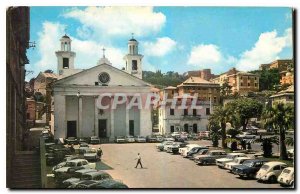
[(65, 56), (133, 59)]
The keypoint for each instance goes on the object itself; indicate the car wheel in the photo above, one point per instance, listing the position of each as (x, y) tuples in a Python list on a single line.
[(273, 179), (204, 163)]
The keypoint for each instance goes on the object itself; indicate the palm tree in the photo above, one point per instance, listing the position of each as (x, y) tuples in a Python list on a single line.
[(280, 117), (220, 116)]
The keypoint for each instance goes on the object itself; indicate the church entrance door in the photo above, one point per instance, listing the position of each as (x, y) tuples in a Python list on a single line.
[(71, 129), (102, 127), (131, 127)]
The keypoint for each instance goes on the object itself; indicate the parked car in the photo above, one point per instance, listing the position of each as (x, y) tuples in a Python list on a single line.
[(210, 157), (183, 151), (129, 139), (72, 164), (174, 134), (270, 171), (83, 140), (120, 139), (97, 176), (91, 155), (94, 140), (249, 168), (77, 177), (204, 134), (169, 138), (193, 151), (63, 163), (83, 147), (140, 139), (290, 152), (197, 155), (229, 158), (174, 148), (287, 177), (159, 138), (246, 135), (160, 146), (184, 136), (236, 161), (84, 184), (151, 139), (71, 140), (109, 184)]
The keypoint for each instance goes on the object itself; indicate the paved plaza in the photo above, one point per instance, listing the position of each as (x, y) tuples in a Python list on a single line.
[(164, 170)]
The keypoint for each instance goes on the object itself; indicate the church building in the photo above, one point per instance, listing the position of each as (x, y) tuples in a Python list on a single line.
[(77, 93)]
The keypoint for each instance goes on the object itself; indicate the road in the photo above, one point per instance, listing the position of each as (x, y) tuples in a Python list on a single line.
[(163, 170)]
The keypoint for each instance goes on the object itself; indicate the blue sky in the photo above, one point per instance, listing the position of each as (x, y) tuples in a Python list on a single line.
[(170, 38)]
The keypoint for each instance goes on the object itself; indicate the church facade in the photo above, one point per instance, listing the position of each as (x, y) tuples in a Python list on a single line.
[(88, 102)]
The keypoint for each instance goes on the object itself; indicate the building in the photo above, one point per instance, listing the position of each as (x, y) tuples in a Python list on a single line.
[(284, 96), (43, 80), (30, 112), (76, 99), (240, 82), (286, 77), (189, 119), (280, 64), (204, 74)]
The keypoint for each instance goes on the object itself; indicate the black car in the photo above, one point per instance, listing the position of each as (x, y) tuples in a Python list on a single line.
[(71, 140), (193, 151), (249, 168), (109, 184), (151, 139), (84, 184)]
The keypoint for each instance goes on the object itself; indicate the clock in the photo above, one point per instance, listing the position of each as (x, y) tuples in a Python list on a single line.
[(104, 78)]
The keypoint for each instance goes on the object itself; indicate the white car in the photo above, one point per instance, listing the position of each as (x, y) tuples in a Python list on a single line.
[(184, 151), (235, 162), (129, 139), (287, 177), (91, 154), (229, 158), (77, 178), (74, 163), (270, 171), (175, 134), (246, 135)]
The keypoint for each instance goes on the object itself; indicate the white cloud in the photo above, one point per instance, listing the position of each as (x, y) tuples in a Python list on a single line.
[(87, 52), (119, 21), (210, 56), (266, 49), (160, 47)]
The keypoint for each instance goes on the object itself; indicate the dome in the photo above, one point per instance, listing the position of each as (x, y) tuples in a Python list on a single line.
[(133, 40), (65, 36)]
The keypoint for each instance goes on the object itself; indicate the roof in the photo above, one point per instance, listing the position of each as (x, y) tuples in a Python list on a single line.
[(193, 79), (233, 154), (170, 88), (288, 91), (52, 75), (133, 40), (154, 89), (65, 36)]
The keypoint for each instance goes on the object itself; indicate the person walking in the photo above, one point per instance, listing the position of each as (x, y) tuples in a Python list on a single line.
[(99, 153), (139, 161)]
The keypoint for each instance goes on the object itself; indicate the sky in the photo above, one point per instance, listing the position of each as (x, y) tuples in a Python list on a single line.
[(177, 39)]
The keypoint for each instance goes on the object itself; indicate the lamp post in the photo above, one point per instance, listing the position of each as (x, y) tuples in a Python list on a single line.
[(78, 96)]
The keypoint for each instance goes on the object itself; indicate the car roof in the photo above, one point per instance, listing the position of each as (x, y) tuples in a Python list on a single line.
[(87, 182), (93, 173), (234, 154), (273, 163), (192, 145), (85, 170), (216, 150), (290, 168), (244, 157), (77, 160)]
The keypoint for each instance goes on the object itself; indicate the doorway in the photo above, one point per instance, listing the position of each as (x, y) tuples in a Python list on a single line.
[(71, 129), (195, 128), (102, 127), (131, 127)]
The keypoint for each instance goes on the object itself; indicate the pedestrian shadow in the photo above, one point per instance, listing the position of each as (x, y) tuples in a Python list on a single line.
[(102, 166), (142, 168)]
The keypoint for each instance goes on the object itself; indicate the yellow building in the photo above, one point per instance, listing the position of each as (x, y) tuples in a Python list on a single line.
[(241, 82), (284, 96)]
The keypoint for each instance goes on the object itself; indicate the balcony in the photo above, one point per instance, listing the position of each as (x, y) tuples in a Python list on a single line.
[(190, 117)]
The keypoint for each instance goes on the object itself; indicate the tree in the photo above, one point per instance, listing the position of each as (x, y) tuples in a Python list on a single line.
[(279, 117), (215, 134), (268, 78), (243, 109), (220, 116), (267, 146), (233, 140)]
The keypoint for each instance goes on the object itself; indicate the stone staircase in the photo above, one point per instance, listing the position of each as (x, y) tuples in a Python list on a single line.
[(26, 170)]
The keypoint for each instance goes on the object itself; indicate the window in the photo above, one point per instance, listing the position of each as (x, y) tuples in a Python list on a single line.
[(194, 112), (276, 167), (207, 111), (66, 63), (241, 84), (255, 84), (215, 99), (172, 128), (254, 78), (134, 64), (185, 112), (171, 111), (248, 84)]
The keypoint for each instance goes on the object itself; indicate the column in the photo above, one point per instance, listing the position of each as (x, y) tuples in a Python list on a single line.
[(79, 134), (127, 120), (96, 131), (112, 123)]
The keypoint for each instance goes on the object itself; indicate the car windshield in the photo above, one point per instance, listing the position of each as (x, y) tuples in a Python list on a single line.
[(70, 164), (230, 156), (265, 167), (248, 163), (94, 137), (202, 151), (286, 171), (91, 151), (129, 136), (120, 137)]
